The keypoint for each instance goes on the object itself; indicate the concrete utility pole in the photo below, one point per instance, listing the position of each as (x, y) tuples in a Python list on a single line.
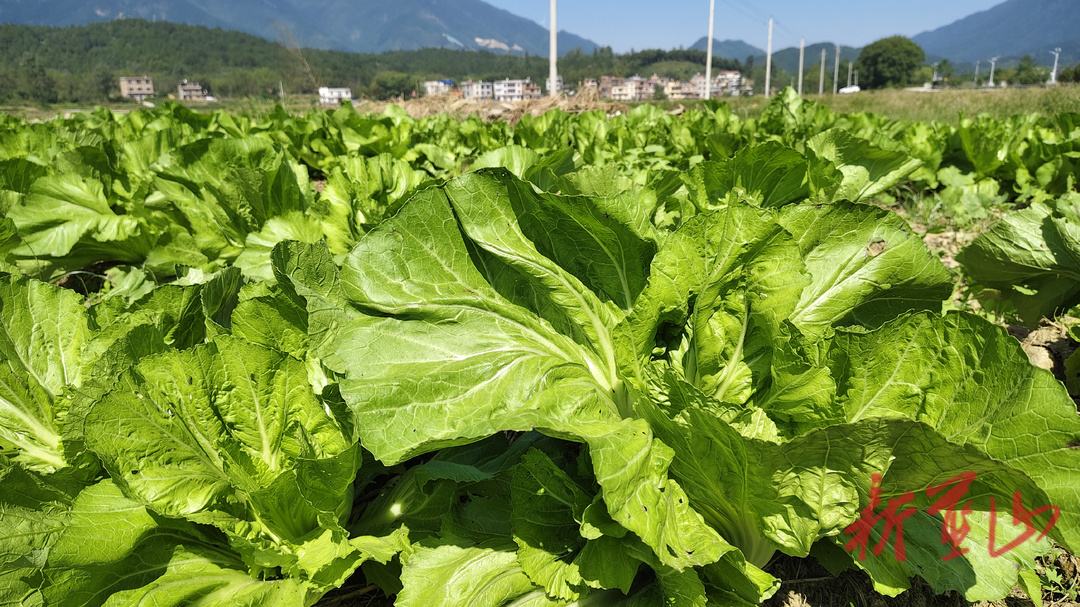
[(708, 53), (553, 70), (802, 56), (836, 72), (768, 61), (977, 64), (821, 79), (1053, 73), (993, 64), (849, 66)]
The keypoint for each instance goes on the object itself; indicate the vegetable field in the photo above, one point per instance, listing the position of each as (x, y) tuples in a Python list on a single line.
[(581, 359)]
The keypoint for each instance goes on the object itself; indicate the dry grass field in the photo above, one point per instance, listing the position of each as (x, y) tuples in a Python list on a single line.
[(922, 105)]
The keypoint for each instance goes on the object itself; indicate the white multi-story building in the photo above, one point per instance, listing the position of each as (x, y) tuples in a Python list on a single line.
[(723, 83), (477, 90), (558, 84), (729, 81), (680, 90), (516, 90), (334, 96), (138, 88), (634, 88), (438, 87)]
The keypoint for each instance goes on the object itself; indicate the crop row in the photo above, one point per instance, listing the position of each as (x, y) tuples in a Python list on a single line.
[(624, 360)]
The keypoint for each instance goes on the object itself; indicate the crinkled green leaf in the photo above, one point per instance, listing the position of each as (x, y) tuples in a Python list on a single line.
[(229, 434), (866, 267), (967, 199), (1031, 257), (547, 507), (720, 291), (360, 194), (255, 260), (977, 575), (867, 169), (221, 190), (766, 175)]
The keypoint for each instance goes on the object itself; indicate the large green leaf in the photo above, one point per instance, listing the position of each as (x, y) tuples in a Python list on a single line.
[(32, 512), (446, 576), (43, 331), (548, 511), (66, 545), (719, 291), (974, 390), (867, 267), (66, 221), (504, 311)]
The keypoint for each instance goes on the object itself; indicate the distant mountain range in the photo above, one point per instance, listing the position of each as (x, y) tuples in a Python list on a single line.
[(1009, 31), (728, 49), (369, 26), (788, 59), (1013, 28)]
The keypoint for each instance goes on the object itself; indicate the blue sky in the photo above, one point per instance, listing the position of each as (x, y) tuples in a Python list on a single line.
[(638, 24)]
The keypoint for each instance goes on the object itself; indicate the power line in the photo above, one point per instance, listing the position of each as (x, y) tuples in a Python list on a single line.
[(758, 14), (747, 7)]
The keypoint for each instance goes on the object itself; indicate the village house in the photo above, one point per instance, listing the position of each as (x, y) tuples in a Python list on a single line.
[(634, 88), (139, 88), (334, 96), (438, 87), (655, 84), (607, 83), (729, 82), (516, 90), (477, 90), (680, 90), (723, 83), (190, 91)]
